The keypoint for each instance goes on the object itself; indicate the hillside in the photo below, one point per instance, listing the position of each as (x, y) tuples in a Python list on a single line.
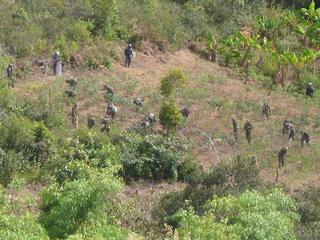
[(74, 167), (214, 94)]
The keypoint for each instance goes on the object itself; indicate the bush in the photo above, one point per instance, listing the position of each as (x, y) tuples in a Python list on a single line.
[(252, 215), (190, 170), (309, 206), (33, 140), (21, 228), (170, 115), (46, 106), (18, 227), (157, 21), (174, 80), (151, 156), (232, 177), (79, 32), (65, 207), (16, 133), (43, 146), (195, 227), (309, 210), (8, 166), (73, 171), (91, 147), (100, 228)]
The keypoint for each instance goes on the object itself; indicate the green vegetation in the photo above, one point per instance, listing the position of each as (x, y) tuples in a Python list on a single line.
[(185, 179), (172, 82), (249, 216), (65, 207), (151, 156), (170, 115)]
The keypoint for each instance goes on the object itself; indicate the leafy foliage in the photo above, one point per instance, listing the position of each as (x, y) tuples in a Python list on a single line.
[(65, 207), (9, 163), (151, 156), (91, 147), (252, 215), (173, 81), (308, 207), (233, 177), (192, 226), (170, 115), (19, 227)]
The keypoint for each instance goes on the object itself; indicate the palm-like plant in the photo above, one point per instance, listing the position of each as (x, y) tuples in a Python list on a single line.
[(309, 25), (212, 46)]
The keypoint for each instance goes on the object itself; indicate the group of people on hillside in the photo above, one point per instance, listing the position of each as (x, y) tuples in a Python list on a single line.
[(129, 54), (287, 129)]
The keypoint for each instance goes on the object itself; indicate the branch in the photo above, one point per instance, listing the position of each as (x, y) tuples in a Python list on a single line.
[(212, 145)]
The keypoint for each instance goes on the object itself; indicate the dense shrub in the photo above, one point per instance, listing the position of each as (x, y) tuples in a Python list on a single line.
[(232, 177), (100, 228), (151, 156), (43, 146), (190, 170), (21, 228), (65, 207), (252, 215), (21, 135), (172, 82), (170, 115), (9, 164), (309, 210), (91, 147), (18, 227), (16, 133), (205, 227)]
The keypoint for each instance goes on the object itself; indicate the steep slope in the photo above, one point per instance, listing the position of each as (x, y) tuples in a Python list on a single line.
[(214, 95)]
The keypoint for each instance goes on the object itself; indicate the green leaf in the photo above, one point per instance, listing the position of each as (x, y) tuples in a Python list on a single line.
[(312, 6)]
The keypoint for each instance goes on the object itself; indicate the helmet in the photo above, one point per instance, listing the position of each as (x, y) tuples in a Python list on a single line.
[(10, 65), (130, 45), (57, 52), (310, 83)]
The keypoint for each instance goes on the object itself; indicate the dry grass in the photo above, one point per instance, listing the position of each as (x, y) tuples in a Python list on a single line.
[(214, 95)]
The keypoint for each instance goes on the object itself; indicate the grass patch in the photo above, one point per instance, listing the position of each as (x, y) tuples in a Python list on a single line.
[(220, 104), (197, 94)]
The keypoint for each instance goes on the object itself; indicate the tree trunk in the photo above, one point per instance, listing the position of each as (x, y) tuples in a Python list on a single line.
[(213, 56), (245, 57), (278, 80)]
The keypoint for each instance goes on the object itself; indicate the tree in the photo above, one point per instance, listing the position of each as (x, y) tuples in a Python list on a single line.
[(170, 115), (257, 216), (212, 46), (174, 80), (204, 227), (65, 207), (251, 215), (105, 14), (309, 25)]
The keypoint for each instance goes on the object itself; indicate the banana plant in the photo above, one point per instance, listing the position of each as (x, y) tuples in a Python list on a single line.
[(275, 27), (266, 27), (228, 50), (212, 47), (309, 25), (310, 56), (286, 60), (249, 43)]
